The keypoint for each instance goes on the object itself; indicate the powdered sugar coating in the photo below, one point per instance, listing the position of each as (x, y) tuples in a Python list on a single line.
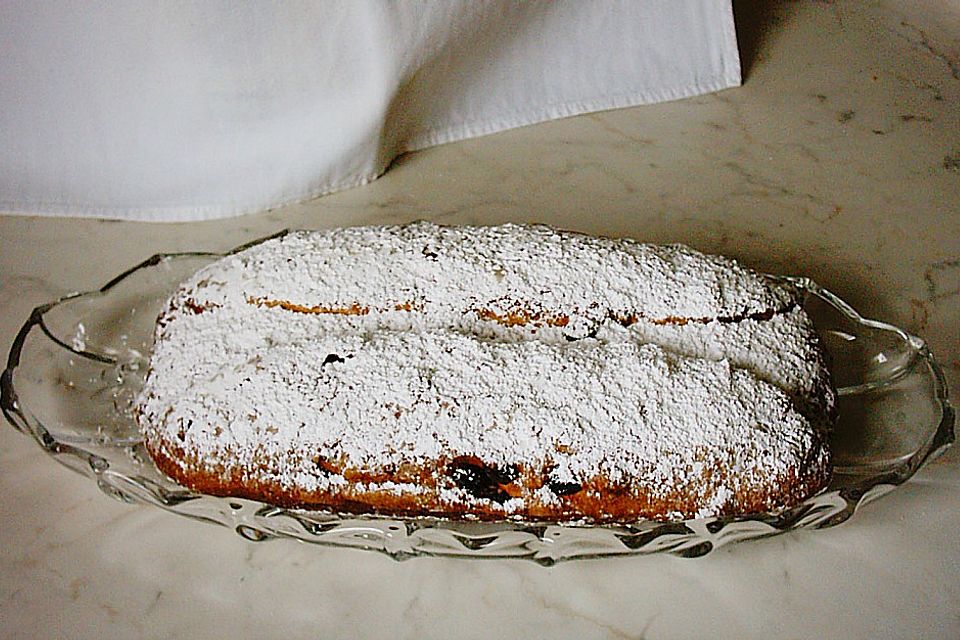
[(418, 344), (446, 270)]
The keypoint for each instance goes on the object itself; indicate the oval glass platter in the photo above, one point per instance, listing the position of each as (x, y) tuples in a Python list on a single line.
[(77, 364)]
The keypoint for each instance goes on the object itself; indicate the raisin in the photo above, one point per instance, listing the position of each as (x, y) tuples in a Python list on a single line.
[(482, 480), (332, 357), (564, 488), (590, 334), (762, 315)]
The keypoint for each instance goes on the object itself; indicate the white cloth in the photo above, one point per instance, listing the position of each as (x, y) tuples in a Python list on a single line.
[(189, 110)]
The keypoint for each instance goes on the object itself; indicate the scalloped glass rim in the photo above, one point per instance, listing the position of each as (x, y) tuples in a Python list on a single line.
[(76, 364)]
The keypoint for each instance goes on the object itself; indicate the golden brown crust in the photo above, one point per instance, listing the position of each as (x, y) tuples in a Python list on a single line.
[(596, 500)]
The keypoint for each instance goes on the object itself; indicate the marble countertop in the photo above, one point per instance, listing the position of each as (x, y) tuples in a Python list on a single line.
[(838, 159)]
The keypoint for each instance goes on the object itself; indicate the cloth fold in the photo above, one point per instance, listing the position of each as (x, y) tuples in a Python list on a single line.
[(192, 110)]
